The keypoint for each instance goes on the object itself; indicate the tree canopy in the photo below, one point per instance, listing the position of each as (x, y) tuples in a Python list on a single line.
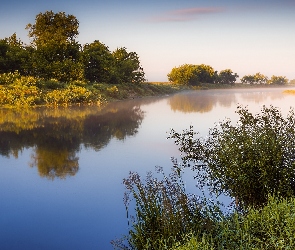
[(55, 53), (190, 74)]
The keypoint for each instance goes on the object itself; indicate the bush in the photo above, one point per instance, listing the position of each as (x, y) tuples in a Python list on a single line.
[(9, 78), (71, 94), (247, 161), (50, 84)]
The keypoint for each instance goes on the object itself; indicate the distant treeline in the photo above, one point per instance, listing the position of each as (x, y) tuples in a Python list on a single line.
[(190, 74)]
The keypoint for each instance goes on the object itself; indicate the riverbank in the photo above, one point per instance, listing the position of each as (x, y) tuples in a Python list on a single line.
[(24, 91), (31, 92)]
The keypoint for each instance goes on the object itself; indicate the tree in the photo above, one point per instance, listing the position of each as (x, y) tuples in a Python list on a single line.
[(57, 53), (280, 80), (250, 79), (14, 55), (248, 161), (227, 77), (127, 68), (190, 74), (98, 62), (53, 28), (260, 78)]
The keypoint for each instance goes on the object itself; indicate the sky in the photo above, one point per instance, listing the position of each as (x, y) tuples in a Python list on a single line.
[(244, 36)]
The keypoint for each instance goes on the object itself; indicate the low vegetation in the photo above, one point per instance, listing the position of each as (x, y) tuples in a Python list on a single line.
[(20, 91), (251, 161)]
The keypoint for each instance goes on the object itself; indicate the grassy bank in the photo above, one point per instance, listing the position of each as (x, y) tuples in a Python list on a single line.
[(26, 91)]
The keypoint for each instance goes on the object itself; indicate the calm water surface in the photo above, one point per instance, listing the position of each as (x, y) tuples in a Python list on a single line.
[(61, 170)]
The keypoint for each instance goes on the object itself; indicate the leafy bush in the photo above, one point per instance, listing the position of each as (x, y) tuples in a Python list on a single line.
[(71, 94), (247, 161), (50, 84), (9, 78), (19, 96)]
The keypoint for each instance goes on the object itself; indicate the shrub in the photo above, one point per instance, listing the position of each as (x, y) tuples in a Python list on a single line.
[(50, 84), (71, 94), (20, 96), (9, 78), (247, 161)]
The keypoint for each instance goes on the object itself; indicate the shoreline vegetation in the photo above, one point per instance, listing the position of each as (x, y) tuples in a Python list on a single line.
[(55, 69), (18, 91), (251, 161)]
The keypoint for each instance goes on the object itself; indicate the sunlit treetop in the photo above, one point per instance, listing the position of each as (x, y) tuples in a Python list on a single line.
[(50, 27)]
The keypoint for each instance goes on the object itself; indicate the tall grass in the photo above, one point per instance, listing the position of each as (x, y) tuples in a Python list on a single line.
[(271, 228), (164, 212)]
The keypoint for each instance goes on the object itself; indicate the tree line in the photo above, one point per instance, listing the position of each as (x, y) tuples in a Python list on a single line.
[(190, 74), (54, 53)]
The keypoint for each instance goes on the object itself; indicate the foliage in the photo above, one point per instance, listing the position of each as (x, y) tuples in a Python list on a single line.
[(250, 79), (127, 67), (272, 227), (71, 94), (20, 96), (53, 28), (259, 78), (280, 80), (56, 54), (14, 55), (98, 62), (9, 78), (189, 74), (226, 77), (164, 212), (247, 161)]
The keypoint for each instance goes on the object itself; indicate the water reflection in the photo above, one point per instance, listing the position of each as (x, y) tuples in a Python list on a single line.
[(200, 101), (205, 101), (57, 134)]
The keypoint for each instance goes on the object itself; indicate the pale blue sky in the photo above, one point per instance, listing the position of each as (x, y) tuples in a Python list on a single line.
[(245, 36)]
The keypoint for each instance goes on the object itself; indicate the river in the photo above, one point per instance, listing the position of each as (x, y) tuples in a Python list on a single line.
[(61, 169)]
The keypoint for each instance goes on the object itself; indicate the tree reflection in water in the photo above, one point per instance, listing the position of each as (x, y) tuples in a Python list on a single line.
[(57, 134), (200, 101), (204, 101)]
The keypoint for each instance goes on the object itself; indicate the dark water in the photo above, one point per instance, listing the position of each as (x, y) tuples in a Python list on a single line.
[(61, 169)]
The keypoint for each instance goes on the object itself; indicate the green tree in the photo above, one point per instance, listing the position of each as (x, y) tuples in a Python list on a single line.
[(53, 28), (260, 78), (98, 62), (280, 80), (127, 68), (250, 79), (14, 56), (190, 74), (57, 53), (249, 160), (227, 77)]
